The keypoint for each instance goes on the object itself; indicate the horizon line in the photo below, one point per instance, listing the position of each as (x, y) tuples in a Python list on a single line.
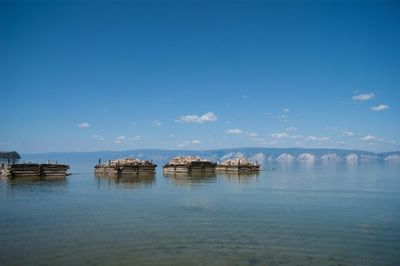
[(205, 150)]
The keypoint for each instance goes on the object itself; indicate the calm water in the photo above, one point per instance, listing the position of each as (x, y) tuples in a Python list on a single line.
[(301, 214)]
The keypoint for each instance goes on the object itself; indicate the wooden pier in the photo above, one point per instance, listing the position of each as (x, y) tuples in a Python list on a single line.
[(10, 155)]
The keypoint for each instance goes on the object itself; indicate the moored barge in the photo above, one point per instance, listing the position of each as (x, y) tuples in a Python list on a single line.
[(190, 165), (126, 166), (238, 165), (34, 170)]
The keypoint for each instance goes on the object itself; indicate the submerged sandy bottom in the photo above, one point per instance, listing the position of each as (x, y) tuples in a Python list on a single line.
[(335, 214)]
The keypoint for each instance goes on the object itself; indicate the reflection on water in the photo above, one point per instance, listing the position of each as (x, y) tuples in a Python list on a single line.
[(36, 181), (27, 186), (235, 177), (126, 181), (183, 179)]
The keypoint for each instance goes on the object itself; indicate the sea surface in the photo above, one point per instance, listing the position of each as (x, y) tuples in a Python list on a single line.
[(297, 214)]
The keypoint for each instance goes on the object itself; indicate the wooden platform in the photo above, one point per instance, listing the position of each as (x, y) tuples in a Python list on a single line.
[(238, 168), (191, 168), (34, 170), (142, 170)]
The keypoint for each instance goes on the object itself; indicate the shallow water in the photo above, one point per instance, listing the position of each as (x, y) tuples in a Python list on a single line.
[(300, 214)]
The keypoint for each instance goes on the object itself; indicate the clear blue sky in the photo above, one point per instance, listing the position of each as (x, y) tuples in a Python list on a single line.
[(199, 75)]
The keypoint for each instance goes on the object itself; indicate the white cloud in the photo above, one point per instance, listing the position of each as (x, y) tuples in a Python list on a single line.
[(314, 138), (290, 128), (285, 135), (272, 142), (186, 143), (135, 138), (84, 125), (132, 123), (280, 135), (363, 97), (375, 139), (182, 145), (157, 123), (368, 137), (381, 107), (171, 136), (119, 139), (252, 135), (283, 118), (234, 131), (347, 133), (296, 137), (98, 137), (207, 117), (286, 110)]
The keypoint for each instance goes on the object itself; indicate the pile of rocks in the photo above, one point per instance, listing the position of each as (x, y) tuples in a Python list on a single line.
[(183, 160), (126, 162), (237, 162)]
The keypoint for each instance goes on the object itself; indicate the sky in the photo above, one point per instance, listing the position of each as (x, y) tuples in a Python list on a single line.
[(90, 76)]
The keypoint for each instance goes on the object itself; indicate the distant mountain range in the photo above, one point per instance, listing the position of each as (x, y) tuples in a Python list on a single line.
[(261, 155)]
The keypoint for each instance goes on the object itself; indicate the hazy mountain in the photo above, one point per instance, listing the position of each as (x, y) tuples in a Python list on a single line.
[(260, 158), (368, 157), (261, 155), (352, 157), (232, 155), (285, 157), (393, 157), (330, 157), (306, 157)]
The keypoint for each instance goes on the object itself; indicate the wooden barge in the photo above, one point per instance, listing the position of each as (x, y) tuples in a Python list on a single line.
[(127, 166), (34, 170), (50, 169), (190, 166), (239, 165)]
